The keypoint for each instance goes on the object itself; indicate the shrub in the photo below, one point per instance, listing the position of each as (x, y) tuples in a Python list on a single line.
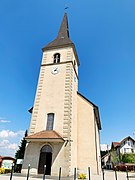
[(82, 176), (7, 171), (2, 170), (128, 158)]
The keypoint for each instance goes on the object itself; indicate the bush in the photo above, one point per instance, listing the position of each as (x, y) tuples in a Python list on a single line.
[(128, 158), (82, 176), (7, 171), (2, 170)]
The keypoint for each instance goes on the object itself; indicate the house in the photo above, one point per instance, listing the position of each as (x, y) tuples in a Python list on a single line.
[(127, 145), (6, 162), (65, 126), (106, 161)]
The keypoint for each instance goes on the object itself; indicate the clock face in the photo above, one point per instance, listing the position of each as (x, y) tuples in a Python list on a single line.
[(55, 70)]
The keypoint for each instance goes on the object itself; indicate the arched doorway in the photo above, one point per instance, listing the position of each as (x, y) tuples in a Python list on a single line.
[(45, 159)]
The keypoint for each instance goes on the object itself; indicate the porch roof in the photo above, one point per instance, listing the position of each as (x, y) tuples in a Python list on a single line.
[(46, 136)]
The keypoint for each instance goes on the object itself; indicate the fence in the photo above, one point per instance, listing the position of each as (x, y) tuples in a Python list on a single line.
[(128, 177)]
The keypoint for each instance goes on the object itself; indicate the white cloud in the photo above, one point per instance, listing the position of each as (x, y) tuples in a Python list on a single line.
[(13, 146), (8, 133), (9, 142), (4, 143), (7, 148), (105, 147), (4, 120)]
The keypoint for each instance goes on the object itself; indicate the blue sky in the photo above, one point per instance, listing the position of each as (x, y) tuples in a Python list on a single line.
[(104, 35)]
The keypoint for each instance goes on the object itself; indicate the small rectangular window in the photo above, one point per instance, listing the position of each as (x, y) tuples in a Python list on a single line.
[(128, 142), (50, 121)]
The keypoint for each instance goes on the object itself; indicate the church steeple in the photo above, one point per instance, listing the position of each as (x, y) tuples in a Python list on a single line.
[(63, 38), (64, 31)]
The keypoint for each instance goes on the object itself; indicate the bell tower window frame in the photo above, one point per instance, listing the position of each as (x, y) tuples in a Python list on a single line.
[(56, 58)]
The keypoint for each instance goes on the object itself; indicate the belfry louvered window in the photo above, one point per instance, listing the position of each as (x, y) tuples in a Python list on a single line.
[(50, 121), (56, 58)]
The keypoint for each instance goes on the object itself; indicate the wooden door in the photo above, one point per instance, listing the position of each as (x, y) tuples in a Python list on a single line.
[(45, 159)]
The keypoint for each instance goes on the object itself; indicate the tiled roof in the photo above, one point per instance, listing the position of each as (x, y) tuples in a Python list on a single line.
[(46, 134), (115, 144), (6, 157), (127, 138)]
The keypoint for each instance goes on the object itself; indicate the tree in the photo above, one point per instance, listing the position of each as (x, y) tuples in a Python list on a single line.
[(21, 150), (128, 158), (114, 157)]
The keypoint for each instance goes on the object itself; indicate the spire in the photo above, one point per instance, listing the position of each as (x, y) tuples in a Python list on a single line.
[(63, 39), (63, 31), (63, 36)]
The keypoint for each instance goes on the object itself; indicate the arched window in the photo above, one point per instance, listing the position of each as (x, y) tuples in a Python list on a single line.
[(46, 148), (56, 58), (50, 121)]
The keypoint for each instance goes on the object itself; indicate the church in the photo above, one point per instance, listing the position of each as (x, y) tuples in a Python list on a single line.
[(65, 126)]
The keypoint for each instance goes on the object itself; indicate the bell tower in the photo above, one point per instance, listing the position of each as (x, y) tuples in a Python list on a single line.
[(57, 84)]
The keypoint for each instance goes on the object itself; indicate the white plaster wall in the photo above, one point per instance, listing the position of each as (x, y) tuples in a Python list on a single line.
[(86, 137), (32, 155), (51, 91), (97, 141), (127, 147)]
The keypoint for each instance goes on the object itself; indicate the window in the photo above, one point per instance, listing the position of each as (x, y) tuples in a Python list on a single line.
[(125, 150), (50, 121), (56, 58), (128, 142), (46, 148)]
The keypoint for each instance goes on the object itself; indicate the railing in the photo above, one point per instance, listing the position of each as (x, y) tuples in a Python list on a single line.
[(128, 177), (116, 177)]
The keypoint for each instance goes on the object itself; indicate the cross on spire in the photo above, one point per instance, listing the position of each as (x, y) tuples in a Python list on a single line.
[(66, 7)]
